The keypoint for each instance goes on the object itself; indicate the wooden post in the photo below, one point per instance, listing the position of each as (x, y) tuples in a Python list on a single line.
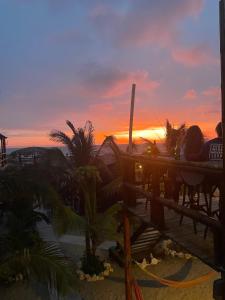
[(156, 208), (219, 285), (131, 119), (127, 256), (222, 54), (129, 177), (3, 152)]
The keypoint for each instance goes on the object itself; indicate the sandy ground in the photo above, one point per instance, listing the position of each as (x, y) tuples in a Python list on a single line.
[(113, 287), (173, 268)]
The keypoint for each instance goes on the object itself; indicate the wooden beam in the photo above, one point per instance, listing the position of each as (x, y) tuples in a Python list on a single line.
[(198, 167)]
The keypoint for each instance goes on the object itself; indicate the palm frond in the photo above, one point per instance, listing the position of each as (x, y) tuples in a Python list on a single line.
[(147, 141), (71, 126), (106, 224), (44, 263), (112, 188), (61, 137)]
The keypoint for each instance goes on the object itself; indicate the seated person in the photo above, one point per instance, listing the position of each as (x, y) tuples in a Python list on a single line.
[(193, 143), (213, 149), (191, 150)]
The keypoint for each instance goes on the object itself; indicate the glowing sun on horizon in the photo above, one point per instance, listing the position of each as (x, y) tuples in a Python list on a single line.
[(152, 133)]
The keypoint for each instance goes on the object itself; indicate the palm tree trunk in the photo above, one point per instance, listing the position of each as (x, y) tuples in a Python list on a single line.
[(87, 243), (94, 246)]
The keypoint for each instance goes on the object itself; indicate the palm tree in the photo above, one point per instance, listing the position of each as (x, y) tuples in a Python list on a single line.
[(80, 145), (173, 136), (97, 226), (24, 256), (82, 151)]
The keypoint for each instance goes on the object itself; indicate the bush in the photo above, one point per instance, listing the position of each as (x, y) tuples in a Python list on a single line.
[(92, 264)]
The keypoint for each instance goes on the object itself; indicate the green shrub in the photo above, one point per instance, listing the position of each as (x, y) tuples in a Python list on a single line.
[(92, 264)]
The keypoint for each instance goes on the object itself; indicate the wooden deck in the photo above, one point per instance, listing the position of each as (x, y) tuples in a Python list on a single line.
[(183, 234)]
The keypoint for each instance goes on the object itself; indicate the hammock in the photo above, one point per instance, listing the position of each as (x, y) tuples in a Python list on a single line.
[(137, 291), (178, 284)]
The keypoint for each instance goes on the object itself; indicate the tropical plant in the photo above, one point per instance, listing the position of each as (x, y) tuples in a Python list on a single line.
[(173, 136), (24, 256), (80, 145), (97, 225)]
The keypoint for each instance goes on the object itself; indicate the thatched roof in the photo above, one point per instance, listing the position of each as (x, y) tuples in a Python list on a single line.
[(2, 136)]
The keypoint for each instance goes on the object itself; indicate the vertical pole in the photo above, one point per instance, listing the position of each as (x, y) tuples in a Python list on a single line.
[(1, 152), (131, 117), (127, 177), (219, 285), (222, 55), (156, 208), (127, 256), (4, 152)]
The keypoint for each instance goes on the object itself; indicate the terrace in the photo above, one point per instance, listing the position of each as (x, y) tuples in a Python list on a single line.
[(176, 199)]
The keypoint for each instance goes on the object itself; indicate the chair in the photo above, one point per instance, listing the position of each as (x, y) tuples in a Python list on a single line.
[(191, 193)]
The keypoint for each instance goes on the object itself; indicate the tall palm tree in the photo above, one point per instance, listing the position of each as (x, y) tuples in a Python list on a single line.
[(80, 145)]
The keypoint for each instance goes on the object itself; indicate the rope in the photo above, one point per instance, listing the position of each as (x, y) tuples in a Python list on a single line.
[(137, 291), (178, 284)]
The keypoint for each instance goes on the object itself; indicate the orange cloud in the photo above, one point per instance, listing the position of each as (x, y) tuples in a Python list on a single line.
[(123, 86), (212, 92), (195, 56), (190, 95)]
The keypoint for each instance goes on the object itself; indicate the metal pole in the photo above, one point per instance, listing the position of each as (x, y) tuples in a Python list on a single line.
[(131, 117)]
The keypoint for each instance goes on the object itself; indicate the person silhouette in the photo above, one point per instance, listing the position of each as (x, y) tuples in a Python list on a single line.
[(213, 149)]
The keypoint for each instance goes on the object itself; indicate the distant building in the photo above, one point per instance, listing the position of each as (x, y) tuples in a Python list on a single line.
[(3, 150)]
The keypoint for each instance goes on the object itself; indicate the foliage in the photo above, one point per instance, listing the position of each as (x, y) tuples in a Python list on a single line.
[(97, 226), (42, 262), (173, 136), (91, 264), (80, 145), (24, 256)]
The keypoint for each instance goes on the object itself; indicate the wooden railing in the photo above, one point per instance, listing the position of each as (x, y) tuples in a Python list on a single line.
[(28, 159), (3, 159), (161, 184)]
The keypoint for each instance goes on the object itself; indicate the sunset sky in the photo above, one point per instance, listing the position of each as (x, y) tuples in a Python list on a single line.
[(77, 60)]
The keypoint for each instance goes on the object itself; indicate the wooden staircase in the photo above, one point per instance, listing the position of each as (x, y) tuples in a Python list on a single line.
[(143, 240)]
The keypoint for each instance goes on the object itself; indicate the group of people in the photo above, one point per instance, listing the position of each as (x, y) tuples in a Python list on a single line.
[(194, 148)]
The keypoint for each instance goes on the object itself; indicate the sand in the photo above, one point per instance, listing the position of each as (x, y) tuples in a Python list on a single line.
[(112, 288)]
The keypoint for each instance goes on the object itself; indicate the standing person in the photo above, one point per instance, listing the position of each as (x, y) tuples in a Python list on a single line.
[(213, 149), (192, 144)]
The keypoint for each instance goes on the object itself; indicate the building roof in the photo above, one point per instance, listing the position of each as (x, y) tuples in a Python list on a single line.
[(2, 136)]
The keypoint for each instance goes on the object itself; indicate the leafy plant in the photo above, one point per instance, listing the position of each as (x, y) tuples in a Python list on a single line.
[(80, 144), (24, 256), (91, 264)]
